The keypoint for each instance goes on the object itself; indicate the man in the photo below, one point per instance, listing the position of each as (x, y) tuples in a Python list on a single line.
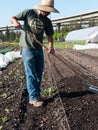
[(35, 22)]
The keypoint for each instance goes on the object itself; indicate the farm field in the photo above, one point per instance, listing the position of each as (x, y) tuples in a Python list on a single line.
[(70, 107)]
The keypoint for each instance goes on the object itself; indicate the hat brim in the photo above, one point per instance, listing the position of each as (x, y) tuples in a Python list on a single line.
[(46, 8)]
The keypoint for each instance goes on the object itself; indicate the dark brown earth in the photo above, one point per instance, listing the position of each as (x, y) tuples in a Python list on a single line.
[(71, 107)]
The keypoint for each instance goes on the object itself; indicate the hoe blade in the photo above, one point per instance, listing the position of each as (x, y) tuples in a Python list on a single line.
[(92, 88)]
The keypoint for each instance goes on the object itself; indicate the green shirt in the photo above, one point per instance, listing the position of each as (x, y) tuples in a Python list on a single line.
[(36, 24)]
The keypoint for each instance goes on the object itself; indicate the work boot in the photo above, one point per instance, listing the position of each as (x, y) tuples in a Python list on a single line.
[(36, 103)]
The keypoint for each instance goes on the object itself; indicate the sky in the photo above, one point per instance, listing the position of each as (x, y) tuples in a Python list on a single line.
[(9, 8)]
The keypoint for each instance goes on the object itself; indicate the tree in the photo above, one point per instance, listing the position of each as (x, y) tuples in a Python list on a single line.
[(7, 34), (12, 36)]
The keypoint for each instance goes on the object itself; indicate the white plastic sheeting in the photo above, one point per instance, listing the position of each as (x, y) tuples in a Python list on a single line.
[(7, 58), (86, 46), (83, 34), (93, 37)]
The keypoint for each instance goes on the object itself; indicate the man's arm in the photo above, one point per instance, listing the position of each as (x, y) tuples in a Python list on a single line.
[(50, 42)]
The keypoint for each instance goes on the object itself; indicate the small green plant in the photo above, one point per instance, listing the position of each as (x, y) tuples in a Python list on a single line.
[(8, 110), (1, 82), (22, 78), (10, 72), (5, 77), (17, 71), (4, 119), (4, 95), (43, 79), (11, 96), (49, 91), (1, 127)]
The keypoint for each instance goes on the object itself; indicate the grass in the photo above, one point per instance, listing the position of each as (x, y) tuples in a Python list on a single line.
[(67, 44), (3, 51), (61, 45), (7, 46), (8, 43)]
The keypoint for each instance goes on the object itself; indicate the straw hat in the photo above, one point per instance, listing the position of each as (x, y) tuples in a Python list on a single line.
[(47, 5)]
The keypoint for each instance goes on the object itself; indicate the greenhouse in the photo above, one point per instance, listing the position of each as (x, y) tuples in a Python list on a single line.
[(88, 35)]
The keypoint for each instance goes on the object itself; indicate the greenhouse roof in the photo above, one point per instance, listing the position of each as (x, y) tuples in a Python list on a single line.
[(90, 33)]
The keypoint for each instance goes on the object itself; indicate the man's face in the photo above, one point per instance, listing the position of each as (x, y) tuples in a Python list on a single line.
[(44, 13)]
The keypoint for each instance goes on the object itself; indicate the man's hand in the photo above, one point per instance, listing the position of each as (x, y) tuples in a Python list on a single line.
[(15, 22), (17, 25), (51, 50)]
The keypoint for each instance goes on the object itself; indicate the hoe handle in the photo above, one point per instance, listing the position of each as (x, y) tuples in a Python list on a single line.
[(33, 36)]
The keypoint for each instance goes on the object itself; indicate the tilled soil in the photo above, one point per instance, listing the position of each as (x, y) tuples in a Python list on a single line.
[(71, 107)]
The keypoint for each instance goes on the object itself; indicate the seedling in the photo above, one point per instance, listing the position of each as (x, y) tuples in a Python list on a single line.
[(43, 79), (11, 96), (49, 91), (4, 119), (22, 78), (1, 82), (5, 77), (8, 110), (17, 71), (4, 95), (10, 72), (1, 127)]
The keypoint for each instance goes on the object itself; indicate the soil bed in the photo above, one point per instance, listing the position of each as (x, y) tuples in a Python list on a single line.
[(73, 108)]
